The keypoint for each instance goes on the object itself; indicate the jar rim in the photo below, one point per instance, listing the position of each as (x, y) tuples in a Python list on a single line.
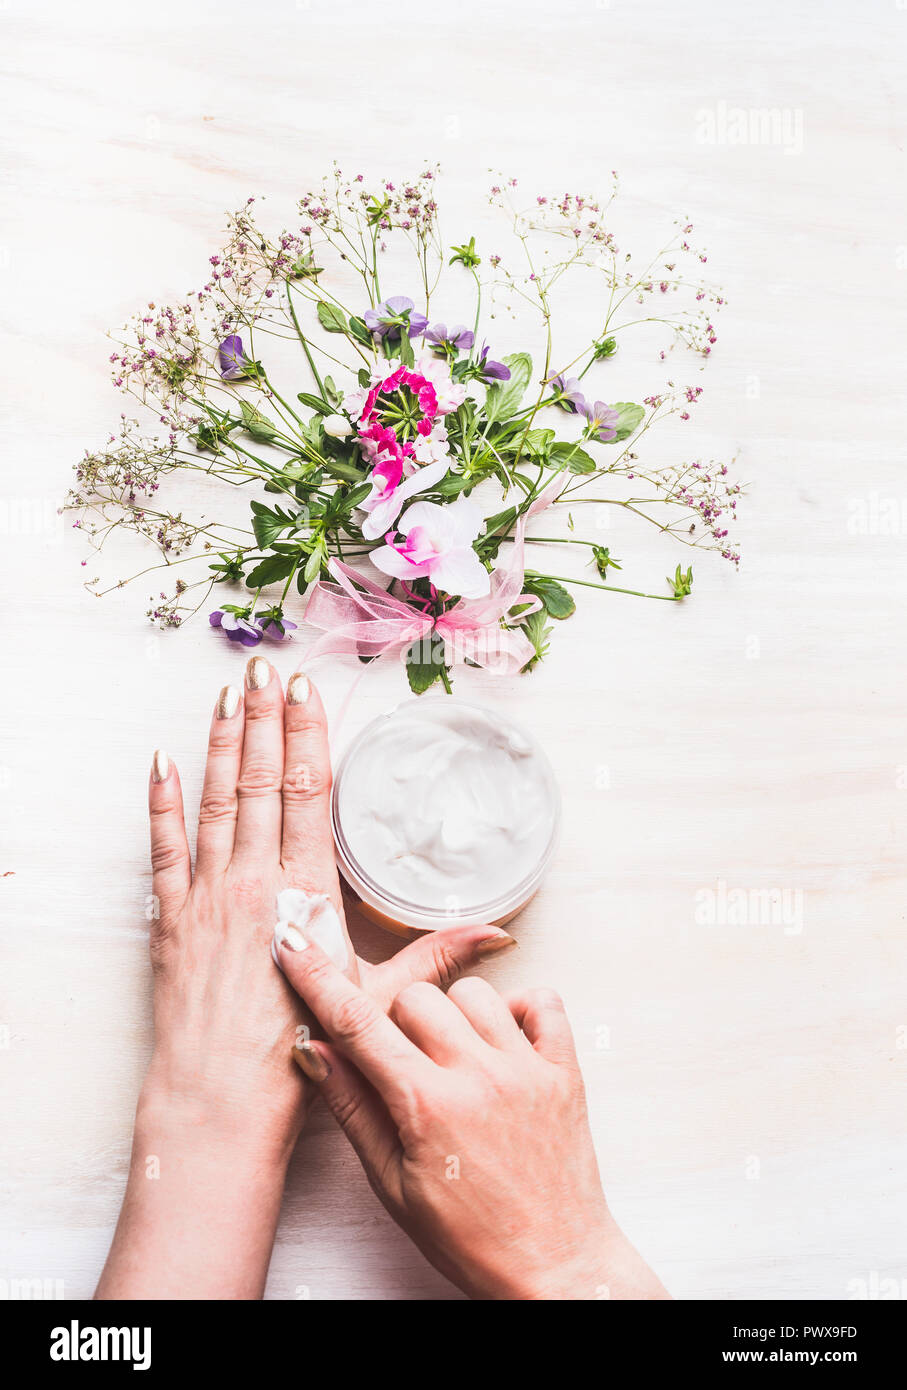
[(383, 899)]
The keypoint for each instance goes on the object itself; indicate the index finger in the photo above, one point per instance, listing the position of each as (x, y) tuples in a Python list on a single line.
[(381, 1051)]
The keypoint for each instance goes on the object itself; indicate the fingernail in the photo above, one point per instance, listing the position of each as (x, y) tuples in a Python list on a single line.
[(494, 944), (258, 673), (160, 766), (310, 1061), (298, 689), (227, 702)]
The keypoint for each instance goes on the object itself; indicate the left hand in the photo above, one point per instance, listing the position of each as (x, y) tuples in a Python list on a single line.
[(225, 1019)]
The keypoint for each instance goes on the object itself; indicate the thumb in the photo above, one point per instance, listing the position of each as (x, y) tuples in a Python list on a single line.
[(355, 1105), (440, 957)]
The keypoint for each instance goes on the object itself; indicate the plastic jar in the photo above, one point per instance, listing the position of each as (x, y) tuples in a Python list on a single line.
[(444, 813)]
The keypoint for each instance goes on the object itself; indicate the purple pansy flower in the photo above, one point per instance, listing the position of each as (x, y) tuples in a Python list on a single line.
[(490, 372), (393, 314), (234, 364), (567, 391), (602, 420), (277, 628), (238, 629), (458, 339)]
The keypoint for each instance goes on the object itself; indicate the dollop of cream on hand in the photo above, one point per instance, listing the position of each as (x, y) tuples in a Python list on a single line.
[(445, 805), (316, 917)]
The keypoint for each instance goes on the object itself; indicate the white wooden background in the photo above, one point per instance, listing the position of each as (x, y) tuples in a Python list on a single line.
[(745, 1082)]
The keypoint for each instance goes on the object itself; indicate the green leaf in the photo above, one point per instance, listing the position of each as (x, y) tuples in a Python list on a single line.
[(629, 418), (359, 331), (604, 347), (315, 403), (424, 663), (407, 356), (229, 569), (681, 584), (604, 560), (539, 442), (330, 317), (452, 484), (564, 454), (304, 267), (354, 497), (466, 254), (555, 598), (503, 399), (270, 570), (313, 564), (256, 424), (346, 472), (268, 524), (537, 630)]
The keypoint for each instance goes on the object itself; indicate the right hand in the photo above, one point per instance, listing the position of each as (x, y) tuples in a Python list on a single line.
[(469, 1116)]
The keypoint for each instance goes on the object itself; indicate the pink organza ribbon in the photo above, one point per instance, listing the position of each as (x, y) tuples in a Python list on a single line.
[(359, 618)]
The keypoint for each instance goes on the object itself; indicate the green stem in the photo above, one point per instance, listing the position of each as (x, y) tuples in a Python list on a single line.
[(302, 338), (612, 588), (277, 396)]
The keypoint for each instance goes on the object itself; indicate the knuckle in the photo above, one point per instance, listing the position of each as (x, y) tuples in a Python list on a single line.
[(164, 940), (259, 776), (307, 780), (546, 998), (346, 1107), (223, 739), (217, 806), (447, 963), (257, 710), (411, 995), (168, 854), (417, 1116), (248, 894), (352, 1017), (159, 948), (470, 988)]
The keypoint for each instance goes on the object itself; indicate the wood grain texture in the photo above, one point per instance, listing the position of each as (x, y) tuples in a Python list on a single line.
[(746, 1083)]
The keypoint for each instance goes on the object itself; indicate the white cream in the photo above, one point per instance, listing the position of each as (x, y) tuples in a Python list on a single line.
[(316, 917), (445, 806)]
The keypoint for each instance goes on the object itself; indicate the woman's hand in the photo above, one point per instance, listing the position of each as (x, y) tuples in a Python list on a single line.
[(469, 1116), (222, 1104)]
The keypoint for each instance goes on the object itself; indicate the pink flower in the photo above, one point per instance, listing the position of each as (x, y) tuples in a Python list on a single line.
[(389, 491), (438, 546), (418, 385), (449, 393), (402, 467)]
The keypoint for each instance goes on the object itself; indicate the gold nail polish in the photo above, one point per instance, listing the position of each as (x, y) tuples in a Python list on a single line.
[(310, 1061), (298, 689), (494, 944), (227, 702), (258, 673), (160, 766)]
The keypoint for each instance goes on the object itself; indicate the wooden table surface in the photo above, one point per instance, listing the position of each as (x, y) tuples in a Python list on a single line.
[(745, 1077)]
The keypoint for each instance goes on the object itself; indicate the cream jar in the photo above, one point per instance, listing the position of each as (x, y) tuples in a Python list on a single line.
[(444, 813)]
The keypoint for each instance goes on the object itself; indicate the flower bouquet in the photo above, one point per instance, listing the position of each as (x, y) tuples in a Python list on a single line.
[(394, 491)]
